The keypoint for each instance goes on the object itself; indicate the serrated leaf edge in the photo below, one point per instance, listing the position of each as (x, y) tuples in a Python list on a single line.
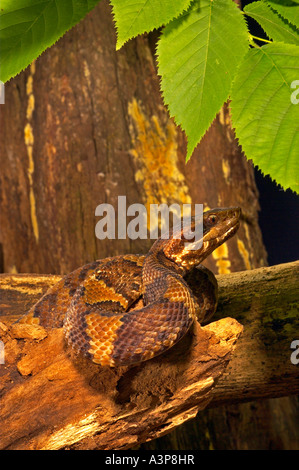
[(236, 130), (120, 44)]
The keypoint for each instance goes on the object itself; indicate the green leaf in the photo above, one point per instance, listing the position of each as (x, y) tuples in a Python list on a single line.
[(198, 55), (28, 27), (289, 9), (135, 17), (264, 111), (274, 26)]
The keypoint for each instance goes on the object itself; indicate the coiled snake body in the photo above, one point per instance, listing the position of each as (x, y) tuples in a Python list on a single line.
[(95, 303)]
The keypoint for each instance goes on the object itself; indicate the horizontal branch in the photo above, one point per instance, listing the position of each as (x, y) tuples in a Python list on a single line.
[(266, 302), (51, 399)]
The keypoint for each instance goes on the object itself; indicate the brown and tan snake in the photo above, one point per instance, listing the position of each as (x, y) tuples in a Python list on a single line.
[(94, 303)]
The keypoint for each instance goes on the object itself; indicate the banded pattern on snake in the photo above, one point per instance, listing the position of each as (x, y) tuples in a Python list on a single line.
[(94, 303)]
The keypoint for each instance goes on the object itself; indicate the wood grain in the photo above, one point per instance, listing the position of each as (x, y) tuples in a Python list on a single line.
[(52, 399)]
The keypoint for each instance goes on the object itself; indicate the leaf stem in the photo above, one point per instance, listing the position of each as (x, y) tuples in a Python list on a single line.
[(260, 39), (253, 43), (251, 37)]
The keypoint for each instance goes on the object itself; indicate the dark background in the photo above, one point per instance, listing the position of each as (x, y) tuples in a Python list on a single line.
[(279, 215), (279, 220)]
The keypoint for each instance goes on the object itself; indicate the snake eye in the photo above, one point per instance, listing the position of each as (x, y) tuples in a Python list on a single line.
[(212, 219)]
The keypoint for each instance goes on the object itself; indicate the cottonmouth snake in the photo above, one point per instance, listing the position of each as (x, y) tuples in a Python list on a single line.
[(95, 303)]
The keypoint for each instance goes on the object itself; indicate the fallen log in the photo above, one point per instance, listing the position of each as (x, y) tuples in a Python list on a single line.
[(53, 399)]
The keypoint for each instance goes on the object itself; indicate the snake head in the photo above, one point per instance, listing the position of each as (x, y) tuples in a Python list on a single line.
[(216, 226)]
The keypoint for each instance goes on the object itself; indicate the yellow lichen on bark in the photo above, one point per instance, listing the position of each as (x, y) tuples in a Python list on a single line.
[(29, 141), (155, 153), (244, 253)]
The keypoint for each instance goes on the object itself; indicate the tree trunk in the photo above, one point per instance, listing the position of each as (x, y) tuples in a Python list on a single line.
[(85, 124)]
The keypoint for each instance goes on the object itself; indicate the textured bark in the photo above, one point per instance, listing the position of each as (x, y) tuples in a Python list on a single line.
[(85, 124), (83, 127), (52, 399), (266, 302)]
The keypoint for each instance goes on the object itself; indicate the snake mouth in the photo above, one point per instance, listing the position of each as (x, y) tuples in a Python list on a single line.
[(232, 228), (229, 233), (226, 225), (216, 226)]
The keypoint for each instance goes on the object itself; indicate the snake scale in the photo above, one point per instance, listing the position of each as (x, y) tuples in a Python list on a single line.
[(95, 303)]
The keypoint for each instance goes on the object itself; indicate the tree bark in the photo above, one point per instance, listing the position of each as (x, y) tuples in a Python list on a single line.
[(42, 384), (58, 403), (84, 127), (85, 124)]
